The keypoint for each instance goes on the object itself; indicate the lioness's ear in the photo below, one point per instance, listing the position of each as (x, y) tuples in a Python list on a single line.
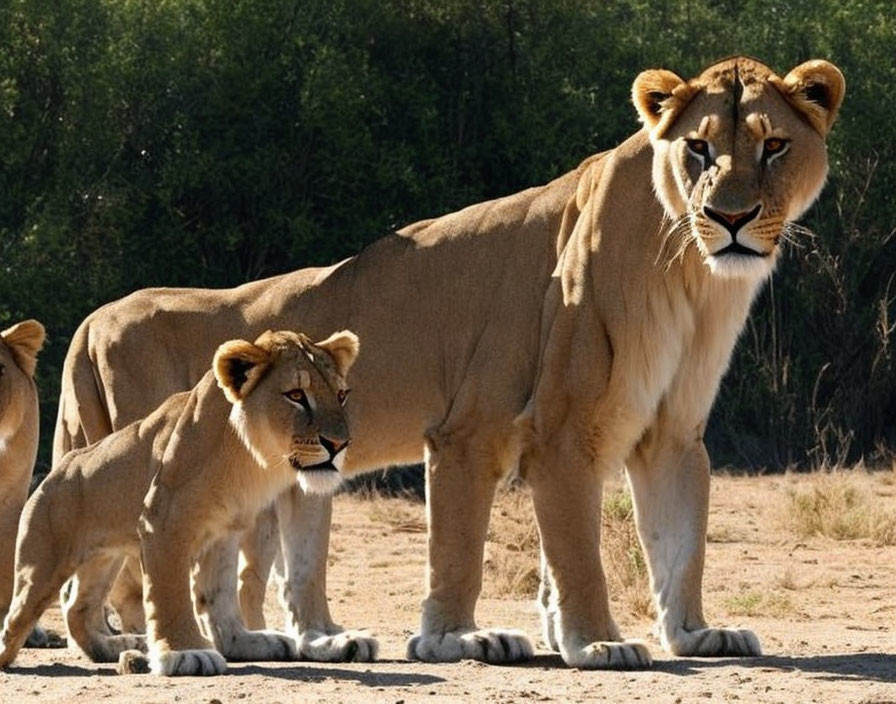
[(652, 92), (25, 340), (239, 365), (343, 347), (815, 88)]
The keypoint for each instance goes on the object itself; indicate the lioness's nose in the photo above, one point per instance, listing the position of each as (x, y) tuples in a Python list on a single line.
[(732, 221), (334, 445)]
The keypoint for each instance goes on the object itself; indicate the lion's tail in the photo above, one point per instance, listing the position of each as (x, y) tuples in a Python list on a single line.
[(83, 415)]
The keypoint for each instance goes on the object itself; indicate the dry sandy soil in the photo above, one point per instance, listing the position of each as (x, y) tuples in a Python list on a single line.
[(823, 608)]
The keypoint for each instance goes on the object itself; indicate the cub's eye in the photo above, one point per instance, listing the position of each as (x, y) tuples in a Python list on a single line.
[(342, 396), (773, 146), (698, 147)]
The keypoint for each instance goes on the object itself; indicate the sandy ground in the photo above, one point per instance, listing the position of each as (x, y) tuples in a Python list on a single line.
[(824, 610)]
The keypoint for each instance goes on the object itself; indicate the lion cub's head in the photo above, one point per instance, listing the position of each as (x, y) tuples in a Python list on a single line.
[(19, 346), (288, 397), (739, 153)]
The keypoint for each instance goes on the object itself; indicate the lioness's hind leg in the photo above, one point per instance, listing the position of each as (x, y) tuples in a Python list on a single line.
[(85, 616), (461, 479), (126, 597), (35, 589), (669, 478), (304, 523)]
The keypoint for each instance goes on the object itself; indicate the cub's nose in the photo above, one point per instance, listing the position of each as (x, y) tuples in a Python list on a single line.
[(333, 445), (732, 221)]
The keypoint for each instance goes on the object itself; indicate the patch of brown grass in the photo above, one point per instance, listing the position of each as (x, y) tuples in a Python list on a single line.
[(840, 505)]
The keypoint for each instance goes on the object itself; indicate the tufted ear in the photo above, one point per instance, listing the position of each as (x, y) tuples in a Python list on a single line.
[(239, 365), (343, 347), (657, 91), (815, 88), (25, 340)]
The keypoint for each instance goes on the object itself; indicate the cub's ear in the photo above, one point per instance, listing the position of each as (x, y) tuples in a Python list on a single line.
[(239, 366), (25, 340), (343, 347), (656, 92), (815, 88)]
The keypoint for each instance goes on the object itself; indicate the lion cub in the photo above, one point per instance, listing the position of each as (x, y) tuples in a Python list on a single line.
[(177, 487)]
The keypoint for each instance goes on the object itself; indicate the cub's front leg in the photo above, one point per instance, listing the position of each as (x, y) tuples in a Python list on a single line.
[(461, 477), (215, 598), (304, 522), (669, 478), (175, 644)]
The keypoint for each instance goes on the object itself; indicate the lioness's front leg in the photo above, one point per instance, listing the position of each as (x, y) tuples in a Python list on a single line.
[(304, 521), (461, 476), (669, 478), (576, 610), (259, 546), (215, 599)]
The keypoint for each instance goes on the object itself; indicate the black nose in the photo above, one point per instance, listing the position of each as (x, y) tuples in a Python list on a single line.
[(732, 222), (332, 445)]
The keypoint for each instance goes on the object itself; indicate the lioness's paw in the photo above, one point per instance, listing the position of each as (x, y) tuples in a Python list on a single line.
[(344, 646), (495, 646), (259, 645), (187, 662), (715, 642), (133, 662), (609, 655)]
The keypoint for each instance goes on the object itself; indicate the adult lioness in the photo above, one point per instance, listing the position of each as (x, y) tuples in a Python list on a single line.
[(570, 329), (19, 421), (205, 482)]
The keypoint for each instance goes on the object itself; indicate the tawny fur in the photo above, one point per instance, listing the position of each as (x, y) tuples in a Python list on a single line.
[(571, 329)]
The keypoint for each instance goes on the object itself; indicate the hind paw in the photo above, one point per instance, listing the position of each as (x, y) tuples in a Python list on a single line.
[(174, 663), (714, 643), (344, 646), (495, 646), (609, 655)]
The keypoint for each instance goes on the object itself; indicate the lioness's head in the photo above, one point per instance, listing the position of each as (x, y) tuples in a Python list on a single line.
[(288, 397), (19, 346), (739, 153)]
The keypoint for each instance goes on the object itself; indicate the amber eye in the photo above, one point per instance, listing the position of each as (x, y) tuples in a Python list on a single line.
[(700, 147), (342, 396), (295, 395), (773, 146)]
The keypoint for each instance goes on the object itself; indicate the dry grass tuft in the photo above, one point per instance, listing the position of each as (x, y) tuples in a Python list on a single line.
[(839, 505), (770, 604)]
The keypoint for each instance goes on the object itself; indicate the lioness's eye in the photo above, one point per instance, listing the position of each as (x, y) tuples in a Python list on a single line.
[(342, 396), (295, 395), (772, 146), (700, 147)]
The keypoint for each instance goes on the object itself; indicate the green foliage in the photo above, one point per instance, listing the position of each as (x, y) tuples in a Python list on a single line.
[(205, 143)]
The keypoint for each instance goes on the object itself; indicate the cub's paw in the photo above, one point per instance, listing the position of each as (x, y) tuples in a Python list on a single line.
[(344, 646), (715, 642), (259, 645), (110, 648), (40, 638), (173, 663), (609, 655), (495, 646)]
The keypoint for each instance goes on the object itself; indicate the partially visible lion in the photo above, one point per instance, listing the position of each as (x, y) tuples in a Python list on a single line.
[(570, 330), (178, 487), (19, 430)]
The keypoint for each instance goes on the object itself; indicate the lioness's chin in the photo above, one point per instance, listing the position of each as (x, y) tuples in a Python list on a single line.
[(741, 266), (319, 481)]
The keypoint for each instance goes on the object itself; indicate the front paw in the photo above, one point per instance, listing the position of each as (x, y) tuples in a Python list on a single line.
[(258, 646), (495, 646), (609, 655), (343, 646), (714, 643), (172, 663)]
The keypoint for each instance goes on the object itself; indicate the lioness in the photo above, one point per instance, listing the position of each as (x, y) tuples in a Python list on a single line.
[(210, 461), (569, 330), (19, 430)]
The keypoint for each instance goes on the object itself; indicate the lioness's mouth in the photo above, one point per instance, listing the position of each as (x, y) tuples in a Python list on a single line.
[(737, 248), (325, 466)]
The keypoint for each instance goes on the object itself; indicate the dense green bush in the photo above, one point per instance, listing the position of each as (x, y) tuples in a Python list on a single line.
[(204, 142)]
